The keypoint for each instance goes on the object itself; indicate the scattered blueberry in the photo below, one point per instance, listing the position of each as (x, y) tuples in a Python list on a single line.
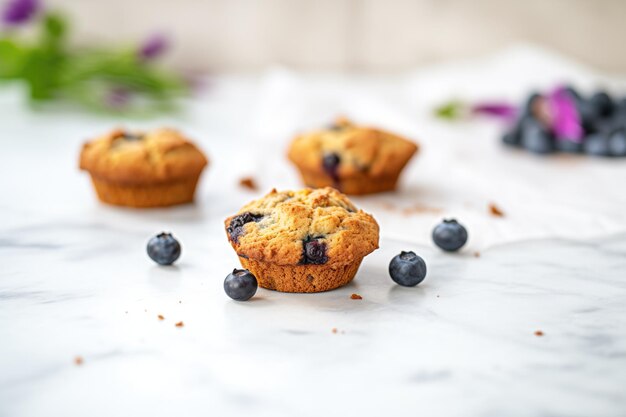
[(573, 92), (536, 138), (235, 228), (330, 163), (407, 269), (511, 138), (597, 144), (530, 106), (569, 146), (164, 249), (450, 235), (313, 252), (602, 118), (617, 143), (240, 285), (602, 104)]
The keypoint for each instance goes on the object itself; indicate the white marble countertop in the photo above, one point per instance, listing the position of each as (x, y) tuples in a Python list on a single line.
[(75, 280)]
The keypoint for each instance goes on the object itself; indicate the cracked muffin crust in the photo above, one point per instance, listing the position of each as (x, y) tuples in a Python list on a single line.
[(143, 169), (354, 159), (302, 241)]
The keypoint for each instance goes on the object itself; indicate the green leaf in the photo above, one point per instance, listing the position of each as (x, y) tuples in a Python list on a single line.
[(12, 58), (450, 111), (54, 28)]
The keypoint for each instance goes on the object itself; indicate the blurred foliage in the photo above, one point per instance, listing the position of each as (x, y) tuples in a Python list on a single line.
[(112, 80)]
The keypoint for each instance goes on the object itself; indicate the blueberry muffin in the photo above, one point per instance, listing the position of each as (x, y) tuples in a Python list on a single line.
[(302, 241), (143, 169), (354, 159)]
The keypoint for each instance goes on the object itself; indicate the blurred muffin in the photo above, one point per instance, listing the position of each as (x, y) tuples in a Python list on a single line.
[(354, 159), (143, 169), (302, 241)]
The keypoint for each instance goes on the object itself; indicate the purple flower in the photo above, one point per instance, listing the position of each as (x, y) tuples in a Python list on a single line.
[(117, 97), (154, 46), (565, 119), (19, 11), (501, 110)]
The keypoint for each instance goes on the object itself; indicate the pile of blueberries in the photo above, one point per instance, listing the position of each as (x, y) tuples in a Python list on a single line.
[(601, 117), (406, 269)]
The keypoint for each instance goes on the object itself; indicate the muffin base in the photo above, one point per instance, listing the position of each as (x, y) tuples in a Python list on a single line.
[(354, 185), (300, 278), (146, 195)]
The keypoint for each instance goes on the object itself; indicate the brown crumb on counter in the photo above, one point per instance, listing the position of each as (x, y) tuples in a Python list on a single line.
[(495, 211), (78, 360), (160, 317), (539, 333), (418, 209), (249, 183), (334, 330), (180, 324), (387, 205), (476, 254), (356, 297)]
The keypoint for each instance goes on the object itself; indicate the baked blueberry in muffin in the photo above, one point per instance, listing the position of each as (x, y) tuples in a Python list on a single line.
[(354, 159), (302, 241)]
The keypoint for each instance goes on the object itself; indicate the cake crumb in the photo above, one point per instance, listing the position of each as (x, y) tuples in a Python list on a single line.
[(160, 317), (334, 330), (180, 324), (495, 210), (356, 297), (476, 254), (538, 333), (419, 208), (78, 360), (249, 183)]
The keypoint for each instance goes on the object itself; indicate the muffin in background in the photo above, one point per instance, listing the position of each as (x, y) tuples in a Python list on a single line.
[(302, 241), (157, 168), (353, 159)]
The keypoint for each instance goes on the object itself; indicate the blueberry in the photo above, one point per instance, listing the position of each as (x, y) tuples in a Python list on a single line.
[(570, 146), (535, 137), (313, 252), (407, 269), (617, 143), (330, 164), (597, 144), (602, 104), (514, 135), (450, 235), (164, 249), (531, 102), (573, 93), (131, 137), (620, 108), (240, 285), (604, 125), (511, 138), (235, 228)]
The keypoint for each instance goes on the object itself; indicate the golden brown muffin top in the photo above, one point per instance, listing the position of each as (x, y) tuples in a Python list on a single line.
[(345, 149), (303, 227), (160, 155)]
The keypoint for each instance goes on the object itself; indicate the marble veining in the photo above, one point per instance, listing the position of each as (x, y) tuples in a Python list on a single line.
[(80, 299)]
